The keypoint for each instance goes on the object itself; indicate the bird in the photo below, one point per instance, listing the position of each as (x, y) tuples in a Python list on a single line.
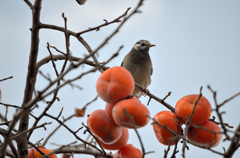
[(81, 2), (139, 64)]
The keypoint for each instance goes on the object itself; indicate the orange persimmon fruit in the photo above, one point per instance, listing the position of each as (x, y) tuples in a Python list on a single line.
[(114, 84), (108, 110), (205, 137), (33, 153), (135, 108), (103, 128), (128, 151), (169, 119), (118, 144), (185, 105)]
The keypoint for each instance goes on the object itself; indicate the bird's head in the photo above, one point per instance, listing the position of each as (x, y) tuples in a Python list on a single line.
[(142, 45)]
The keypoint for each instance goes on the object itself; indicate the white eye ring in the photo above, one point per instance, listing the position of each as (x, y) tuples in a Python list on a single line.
[(136, 46)]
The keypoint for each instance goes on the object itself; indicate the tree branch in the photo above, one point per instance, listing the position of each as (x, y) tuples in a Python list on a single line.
[(29, 4), (6, 78), (30, 84), (234, 144), (155, 98)]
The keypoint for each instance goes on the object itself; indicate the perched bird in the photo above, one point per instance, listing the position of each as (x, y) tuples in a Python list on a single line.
[(139, 64), (81, 2)]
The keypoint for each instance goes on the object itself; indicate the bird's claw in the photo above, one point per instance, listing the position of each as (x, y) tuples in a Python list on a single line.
[(145, 94)]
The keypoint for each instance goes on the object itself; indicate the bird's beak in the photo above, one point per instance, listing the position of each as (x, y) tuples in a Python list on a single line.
[(151, 45)]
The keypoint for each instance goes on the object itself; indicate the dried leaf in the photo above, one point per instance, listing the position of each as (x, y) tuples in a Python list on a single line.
[(79, 112)]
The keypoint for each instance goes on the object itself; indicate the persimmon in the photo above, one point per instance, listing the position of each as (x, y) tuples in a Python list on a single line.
[(33, 153), (115, 84), (108, 110), (128, 151), (205, 137), (103, 128), (185, 105), (135, 108), (169, 119), (118, 144)]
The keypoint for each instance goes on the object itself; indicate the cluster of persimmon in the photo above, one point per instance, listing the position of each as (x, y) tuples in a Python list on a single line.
[(33, 153), (110, 126), (200, 130)]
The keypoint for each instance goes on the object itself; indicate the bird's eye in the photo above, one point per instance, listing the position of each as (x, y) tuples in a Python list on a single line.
[(143, 44)]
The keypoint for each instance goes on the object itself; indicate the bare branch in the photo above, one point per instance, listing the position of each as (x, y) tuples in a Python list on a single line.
[(218, 113), (89, 131), (31, 129), (49, 136), (231, 98), (84, 107), (9, 105), (54, 151), (188, 123), (169, 93), (30, 83), (117, 20), (155, 98), (6, 78), (34, 146), (184, 138), (54, 65), (135, 129), (234, 144), (71, 131), (92, 152), (63, 57), (218, 123), (29, 4)]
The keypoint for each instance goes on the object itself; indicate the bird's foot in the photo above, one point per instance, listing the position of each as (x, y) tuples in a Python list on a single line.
[(131, 96), (145, 94)]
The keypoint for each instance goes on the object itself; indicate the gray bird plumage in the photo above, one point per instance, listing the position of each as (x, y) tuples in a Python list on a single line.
[(139, 64)]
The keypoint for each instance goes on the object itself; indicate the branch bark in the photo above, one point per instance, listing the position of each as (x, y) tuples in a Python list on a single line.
[(234, 144), (31, 77)]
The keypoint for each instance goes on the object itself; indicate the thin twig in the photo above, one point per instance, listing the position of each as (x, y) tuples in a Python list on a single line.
[(218, 123), (117, 20), (53, 64), (29, 4), (169, 93), (51, 134), (71, 131), (31, 129), (184, 137), (227, 100), (218, 112), (135, 129), (34, 146), (168, 149), (56, 150), (6, 78), (188, 120), (84, 107), (155, 98), (89, 131)]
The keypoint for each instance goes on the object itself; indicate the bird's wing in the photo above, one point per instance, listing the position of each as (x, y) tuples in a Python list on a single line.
[(81, 2), (151, 71)]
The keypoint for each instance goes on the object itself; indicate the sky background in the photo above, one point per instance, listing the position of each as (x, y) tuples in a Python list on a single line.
[(197, 44)]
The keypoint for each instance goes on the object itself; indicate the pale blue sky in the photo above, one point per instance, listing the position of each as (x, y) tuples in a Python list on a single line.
[(197, 44)]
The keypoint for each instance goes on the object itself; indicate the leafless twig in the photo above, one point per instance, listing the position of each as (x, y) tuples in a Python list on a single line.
[(188, 120), (6, 78)]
